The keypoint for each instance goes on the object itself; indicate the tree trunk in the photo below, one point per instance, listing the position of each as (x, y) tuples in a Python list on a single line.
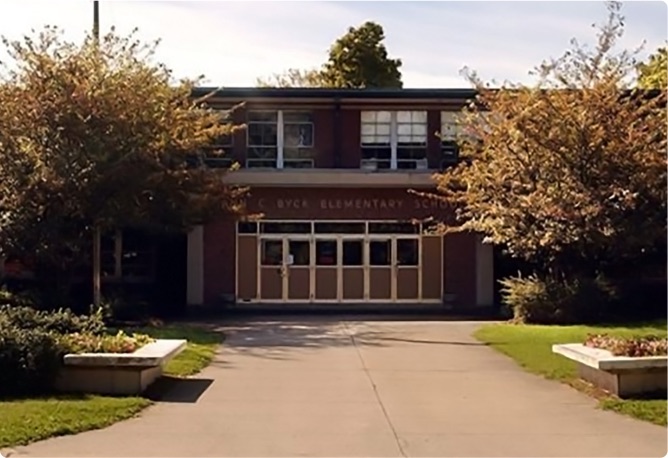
[(96, 266)]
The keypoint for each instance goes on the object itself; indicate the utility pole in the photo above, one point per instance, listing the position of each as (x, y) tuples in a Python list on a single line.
[(97, 296), (96, 19)]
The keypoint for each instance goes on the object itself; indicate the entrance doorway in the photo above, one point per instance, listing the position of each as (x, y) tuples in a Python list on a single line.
[(352, 262), (285, 269)]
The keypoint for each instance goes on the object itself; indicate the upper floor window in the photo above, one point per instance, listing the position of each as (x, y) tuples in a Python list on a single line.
[(278, 139), (449, 134), (411, 139), (219, 154), (262, 131), (394, 139), (454, 131)]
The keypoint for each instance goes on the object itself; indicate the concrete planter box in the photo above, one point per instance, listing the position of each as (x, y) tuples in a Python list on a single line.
[(117, 373), (623, 376)]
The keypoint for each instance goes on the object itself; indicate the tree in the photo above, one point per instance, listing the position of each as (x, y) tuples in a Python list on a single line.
[(654, 73), (94, 135), (293, 77), (357, 59), (570, 173)]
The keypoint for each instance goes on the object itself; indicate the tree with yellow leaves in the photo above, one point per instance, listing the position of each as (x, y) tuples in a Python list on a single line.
[(568, 174), (97, 135)]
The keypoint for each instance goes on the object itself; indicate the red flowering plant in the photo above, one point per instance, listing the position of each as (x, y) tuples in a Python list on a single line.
[(635, 346), (90, 343)]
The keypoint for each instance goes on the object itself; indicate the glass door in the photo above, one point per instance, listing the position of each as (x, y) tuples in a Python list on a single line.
[(352, 269), (298, 268), (407, 269), (272, 269), (380, 268), (327, 261)]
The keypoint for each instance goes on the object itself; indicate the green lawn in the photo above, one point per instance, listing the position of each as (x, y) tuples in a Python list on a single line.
[(202, 345), (531, 347), (30, 420)]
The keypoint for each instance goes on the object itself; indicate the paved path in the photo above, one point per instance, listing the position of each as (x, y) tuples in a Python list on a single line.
[(330, 387)]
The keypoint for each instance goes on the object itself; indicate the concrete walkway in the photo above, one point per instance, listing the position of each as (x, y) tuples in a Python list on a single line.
[(333, 387)]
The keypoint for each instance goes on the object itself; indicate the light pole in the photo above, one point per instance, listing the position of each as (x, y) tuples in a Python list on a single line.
[(96, 19), (97, 299)]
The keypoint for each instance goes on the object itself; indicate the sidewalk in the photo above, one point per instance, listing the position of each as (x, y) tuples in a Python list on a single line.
[(330, 387)]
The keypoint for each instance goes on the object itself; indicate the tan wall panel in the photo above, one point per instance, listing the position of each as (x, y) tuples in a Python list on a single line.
[(353, 283), (247, 268), (325, 283), (299, 283), (271, 283), (432, 277), (380, 283), (407, 283)]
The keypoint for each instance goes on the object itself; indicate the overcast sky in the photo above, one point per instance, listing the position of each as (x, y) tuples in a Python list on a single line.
[(232, 43)]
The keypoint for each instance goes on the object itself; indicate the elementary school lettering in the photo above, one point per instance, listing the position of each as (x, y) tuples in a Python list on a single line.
[(351, 204)]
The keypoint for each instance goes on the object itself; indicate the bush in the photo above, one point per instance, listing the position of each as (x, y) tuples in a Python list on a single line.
[(119, 309), (640, 346), (22, 299), (89, 343), (29, 360), (552, 299), (62, 321)]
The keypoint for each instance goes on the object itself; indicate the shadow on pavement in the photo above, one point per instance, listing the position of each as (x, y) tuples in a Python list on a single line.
[(287, 337), (175, 389)]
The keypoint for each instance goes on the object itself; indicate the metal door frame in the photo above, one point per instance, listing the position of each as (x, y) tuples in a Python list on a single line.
[(287, 238), (312, 238)]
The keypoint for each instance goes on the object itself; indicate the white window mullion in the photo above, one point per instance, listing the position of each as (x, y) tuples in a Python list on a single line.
[(279, 140), (393, 140)]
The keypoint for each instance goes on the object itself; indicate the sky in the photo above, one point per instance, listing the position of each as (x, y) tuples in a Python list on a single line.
[(233, 43)]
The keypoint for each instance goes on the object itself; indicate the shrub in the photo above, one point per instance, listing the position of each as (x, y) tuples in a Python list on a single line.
[(639, 346), (552, 299), (23, 299), (29, 360), (119, 309), (61, 321), (89, 343)]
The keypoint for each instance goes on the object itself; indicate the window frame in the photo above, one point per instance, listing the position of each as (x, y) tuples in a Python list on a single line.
[(226, 145), (118, 254), (252, 146), (394, 143), (280, 123), (449, 131)]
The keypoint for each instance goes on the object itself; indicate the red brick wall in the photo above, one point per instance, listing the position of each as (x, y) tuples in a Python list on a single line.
[(459, 268), (349, 141), (351, 151), (219, 260), (323, 138), (459, 260), (343, 204)]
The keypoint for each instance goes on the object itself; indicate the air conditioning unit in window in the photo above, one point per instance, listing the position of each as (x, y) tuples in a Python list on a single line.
[(421, 164), (369, 164)]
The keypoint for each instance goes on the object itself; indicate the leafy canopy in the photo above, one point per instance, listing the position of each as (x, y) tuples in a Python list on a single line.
[(358, 59), (97, 134), (571, 170), (654, 73)]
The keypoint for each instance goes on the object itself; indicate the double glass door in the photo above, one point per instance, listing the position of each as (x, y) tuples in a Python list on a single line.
[(394, 268), (340, 268), (285, 270)]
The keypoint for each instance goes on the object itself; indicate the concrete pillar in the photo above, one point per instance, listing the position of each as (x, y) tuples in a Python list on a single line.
[(484, 273)]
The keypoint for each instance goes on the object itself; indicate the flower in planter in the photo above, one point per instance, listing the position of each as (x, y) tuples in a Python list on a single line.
[(634, 347), (89, 343)]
